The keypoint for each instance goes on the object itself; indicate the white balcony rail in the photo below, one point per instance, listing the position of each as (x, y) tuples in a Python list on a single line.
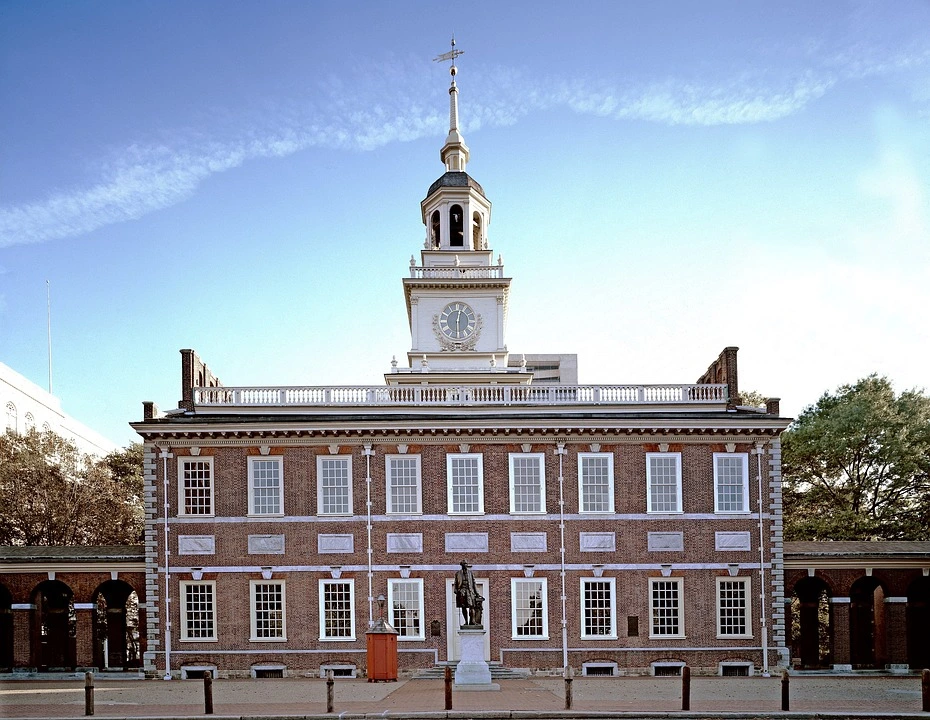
[(459, 395), (441, 272)]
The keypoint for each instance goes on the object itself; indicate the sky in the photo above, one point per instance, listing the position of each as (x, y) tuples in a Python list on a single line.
[(243, 178)]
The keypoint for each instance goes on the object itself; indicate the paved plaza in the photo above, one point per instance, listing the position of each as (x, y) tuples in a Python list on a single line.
[(531, 697)]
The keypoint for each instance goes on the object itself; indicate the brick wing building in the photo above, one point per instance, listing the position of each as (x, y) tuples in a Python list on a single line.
[(613, 528)]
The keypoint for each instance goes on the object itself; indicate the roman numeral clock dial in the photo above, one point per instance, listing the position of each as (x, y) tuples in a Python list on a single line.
[(457, 321)]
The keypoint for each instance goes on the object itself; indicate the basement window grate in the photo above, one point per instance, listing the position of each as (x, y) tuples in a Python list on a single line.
[(269, 673), (736, 669), (599, 669), (666, 670)]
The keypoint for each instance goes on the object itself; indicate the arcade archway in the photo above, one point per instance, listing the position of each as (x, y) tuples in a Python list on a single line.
[(116, 626), (54, 632), (812, 624)]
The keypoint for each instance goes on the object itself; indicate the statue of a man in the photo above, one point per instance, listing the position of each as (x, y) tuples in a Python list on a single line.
[(467, 597)]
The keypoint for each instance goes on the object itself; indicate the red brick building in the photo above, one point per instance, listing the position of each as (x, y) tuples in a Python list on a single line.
[(63, 608), (614, 528)]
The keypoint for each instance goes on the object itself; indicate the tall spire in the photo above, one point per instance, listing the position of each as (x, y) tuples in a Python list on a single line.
[(454, 153)]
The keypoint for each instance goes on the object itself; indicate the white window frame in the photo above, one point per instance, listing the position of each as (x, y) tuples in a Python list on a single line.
[(541, 460), (449, 491), (544, 598), (612, 583), (745, 486), (420, 608), (185, 628), (680, 607), (266, 458), (182, 504), (678, 501), (253, 611), (388, 478), (746, 582), (324, 583), (320, 460), (582, 456)]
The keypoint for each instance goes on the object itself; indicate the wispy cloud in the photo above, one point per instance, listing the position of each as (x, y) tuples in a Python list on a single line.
[(143, 178)]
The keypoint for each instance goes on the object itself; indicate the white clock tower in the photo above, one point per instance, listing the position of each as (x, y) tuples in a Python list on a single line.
[(457, 295)]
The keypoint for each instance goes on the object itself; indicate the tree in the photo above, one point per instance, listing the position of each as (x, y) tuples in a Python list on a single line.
[(856, 465), (50, 494)]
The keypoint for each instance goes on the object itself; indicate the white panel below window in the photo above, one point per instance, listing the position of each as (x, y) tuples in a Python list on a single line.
[(404, 542), (733, 540), (266, 544), (597, 541), (335, 544), (196, 544), (666, 541), (466, 542), (527, 542)]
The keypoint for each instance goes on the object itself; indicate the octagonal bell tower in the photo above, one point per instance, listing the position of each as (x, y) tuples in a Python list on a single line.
[(457, 295)]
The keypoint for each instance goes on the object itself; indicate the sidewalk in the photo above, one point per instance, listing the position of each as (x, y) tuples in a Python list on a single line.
[(528, 698)]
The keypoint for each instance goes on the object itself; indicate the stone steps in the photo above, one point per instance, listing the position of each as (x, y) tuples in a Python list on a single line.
[(498, 672)]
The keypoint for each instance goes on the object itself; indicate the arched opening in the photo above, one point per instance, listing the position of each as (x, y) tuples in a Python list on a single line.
[(811, 624), (54, 630), (116, 626), (434, 226), (477, 233), (6, 630), (867, 623), (456, 226), (11, 423), (918, 623)]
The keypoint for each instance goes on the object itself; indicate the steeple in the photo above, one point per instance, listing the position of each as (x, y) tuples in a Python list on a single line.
[(454, 153)]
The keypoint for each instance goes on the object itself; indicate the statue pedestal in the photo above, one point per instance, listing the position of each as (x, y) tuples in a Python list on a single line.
[(472, 672)]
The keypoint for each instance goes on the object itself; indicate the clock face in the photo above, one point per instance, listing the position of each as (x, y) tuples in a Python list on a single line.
[(457, 321)]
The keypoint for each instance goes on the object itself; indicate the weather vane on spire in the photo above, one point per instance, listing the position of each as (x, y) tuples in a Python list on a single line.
[(451, 55)]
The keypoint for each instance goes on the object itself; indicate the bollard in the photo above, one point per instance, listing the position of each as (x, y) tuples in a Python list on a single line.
[(89, 693), (207, 692), (330, 691), (568, 687), (685, 688), (447, 678), (925, 689), (785, 702)]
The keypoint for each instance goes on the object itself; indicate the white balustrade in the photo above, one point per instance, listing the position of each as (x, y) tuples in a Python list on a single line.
[(441, 272), (459, 395)]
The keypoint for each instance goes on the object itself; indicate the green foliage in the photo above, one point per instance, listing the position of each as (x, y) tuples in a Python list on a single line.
[(856, 465), (50, 494)]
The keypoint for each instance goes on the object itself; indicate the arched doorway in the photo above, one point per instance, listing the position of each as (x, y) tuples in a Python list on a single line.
[(6, 630), (812, 624), (918, 623), (867, 624), (54, 630), (116, 626)]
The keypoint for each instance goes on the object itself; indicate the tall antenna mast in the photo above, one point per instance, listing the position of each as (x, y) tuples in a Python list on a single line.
[(48, 324)]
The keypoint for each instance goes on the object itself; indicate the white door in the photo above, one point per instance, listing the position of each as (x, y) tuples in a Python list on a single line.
[(454, 619)]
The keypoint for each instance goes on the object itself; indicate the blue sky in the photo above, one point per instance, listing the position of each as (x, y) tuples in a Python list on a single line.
[(669, 178)]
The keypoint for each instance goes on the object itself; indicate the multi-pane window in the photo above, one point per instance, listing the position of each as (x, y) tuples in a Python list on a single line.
[(733, 604), (598, 619), (334, 485), (195, 486), (403, 484), (665, 608), (268, 610), (529, 608), (596, 482), (266, 486), (663, 478), (198, 610), (405, 599), (11, 417), (731, 482), (527, 483), (465, 483), (337, 610)]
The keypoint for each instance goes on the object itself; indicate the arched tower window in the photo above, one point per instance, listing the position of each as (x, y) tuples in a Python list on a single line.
[(30, 422), (11, 416), (456, 226), (434, 229), (477, 232)]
